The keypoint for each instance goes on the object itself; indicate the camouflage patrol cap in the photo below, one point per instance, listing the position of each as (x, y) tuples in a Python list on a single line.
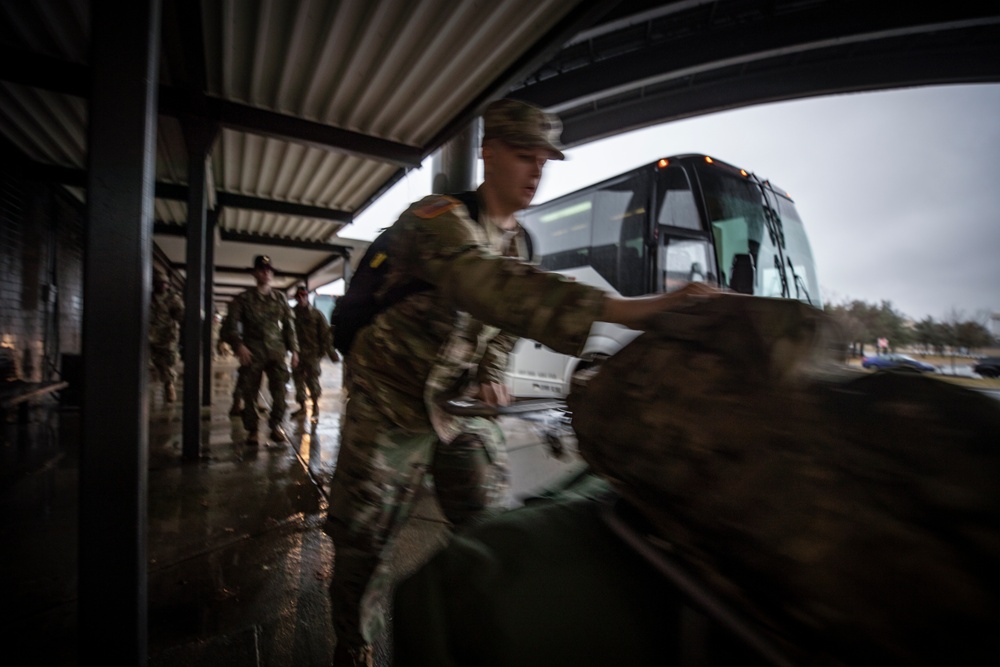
[(262, 262), (523, 125)]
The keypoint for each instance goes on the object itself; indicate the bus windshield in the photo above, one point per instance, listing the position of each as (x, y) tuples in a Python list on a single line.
[(799, 265), (761, 245)]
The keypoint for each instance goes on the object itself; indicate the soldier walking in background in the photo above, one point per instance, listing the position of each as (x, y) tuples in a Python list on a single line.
[(261, 330), (313, 332), (166, 315)]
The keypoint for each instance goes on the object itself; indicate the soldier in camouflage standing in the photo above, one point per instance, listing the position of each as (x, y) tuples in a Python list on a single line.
[(451, 339), (313, 332), (261, 330), (166, 315)]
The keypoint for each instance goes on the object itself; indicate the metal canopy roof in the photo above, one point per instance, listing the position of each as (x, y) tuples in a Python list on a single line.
[(321, 106), (652, 62)]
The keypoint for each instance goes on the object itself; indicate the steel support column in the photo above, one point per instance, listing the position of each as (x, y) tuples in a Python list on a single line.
[(200, 136), (454, 164), (207, 332), (117, 281)]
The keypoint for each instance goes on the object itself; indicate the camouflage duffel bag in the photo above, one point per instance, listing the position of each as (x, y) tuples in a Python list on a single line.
[(855, 517)]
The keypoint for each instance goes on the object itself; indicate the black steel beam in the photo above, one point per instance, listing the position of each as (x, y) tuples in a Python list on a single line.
[(281, 242), (639, 56), (44, 72), (234, 200), (51, 173), (235, 286), (250, 203), (328, 263), (166, 229), (785, 81), (183, 43), (266, 123), (249, 271), (174, 191)]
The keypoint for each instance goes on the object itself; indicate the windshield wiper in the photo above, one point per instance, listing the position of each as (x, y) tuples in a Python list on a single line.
[(785, 290), (799, 281)]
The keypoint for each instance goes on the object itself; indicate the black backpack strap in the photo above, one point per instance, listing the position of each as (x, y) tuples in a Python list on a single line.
[(528, 243), (470, 200)]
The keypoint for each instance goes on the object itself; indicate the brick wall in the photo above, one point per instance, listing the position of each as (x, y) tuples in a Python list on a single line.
[(41, 275)]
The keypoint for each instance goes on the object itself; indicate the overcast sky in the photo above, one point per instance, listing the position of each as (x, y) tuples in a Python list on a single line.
[(898, 190)]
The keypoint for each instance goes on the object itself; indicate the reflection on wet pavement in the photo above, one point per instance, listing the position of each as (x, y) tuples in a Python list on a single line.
[(238, 563)]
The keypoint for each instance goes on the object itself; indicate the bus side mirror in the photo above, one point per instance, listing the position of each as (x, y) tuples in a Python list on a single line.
[(741, 277)]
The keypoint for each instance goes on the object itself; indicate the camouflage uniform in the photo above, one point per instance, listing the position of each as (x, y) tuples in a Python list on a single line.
[(421, 351), (313, 333), (268, 331), (166, 314)]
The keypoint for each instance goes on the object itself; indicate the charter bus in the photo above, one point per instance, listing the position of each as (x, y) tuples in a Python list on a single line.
[(683, 218)]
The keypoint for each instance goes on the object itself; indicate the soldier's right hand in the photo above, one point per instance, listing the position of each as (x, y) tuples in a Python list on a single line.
[(634, 312)]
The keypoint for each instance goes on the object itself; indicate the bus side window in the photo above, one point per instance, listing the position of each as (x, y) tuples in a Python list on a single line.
[(677, 207), (617, 242)]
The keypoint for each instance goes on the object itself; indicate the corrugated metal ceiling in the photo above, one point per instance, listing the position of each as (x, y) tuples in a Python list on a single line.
[(321, 103)]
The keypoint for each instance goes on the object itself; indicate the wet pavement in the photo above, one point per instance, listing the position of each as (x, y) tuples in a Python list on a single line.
[(238, 561)]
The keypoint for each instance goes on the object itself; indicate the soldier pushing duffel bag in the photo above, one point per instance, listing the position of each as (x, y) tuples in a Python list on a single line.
[(768, 507)]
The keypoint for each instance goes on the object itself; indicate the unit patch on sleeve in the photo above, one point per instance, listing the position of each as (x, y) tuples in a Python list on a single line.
[(436, 207)]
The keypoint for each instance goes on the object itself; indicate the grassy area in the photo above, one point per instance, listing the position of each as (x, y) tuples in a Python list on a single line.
[(946, 364)]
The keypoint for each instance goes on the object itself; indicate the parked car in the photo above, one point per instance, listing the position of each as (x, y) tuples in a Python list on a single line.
[(988, 367), (899, 362)]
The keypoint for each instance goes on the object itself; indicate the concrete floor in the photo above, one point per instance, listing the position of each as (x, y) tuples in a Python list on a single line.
[(238, 561)]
